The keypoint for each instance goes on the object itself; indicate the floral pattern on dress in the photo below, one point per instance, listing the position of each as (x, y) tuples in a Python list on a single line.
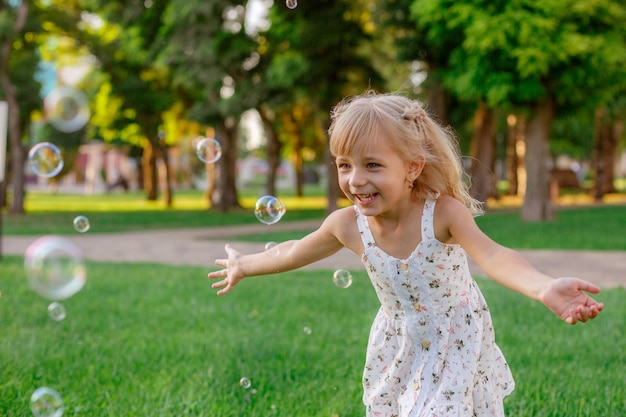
[(431, 350)]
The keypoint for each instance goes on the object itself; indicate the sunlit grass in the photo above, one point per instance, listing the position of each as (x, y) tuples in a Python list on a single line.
[(38, 202), (154, 340)]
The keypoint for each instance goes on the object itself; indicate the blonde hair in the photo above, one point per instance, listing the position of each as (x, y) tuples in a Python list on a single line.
[(356, 121)]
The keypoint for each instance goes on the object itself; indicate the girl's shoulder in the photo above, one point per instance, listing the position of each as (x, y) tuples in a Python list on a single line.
[(449, 210), (342, 224), (344, 216), (449, 204)]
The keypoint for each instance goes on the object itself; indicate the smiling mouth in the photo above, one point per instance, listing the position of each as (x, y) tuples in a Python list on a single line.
[(366, 198)]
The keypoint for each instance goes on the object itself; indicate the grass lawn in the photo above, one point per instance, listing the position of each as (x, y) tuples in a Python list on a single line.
[(153, 340), (54, 213), (583, 227)]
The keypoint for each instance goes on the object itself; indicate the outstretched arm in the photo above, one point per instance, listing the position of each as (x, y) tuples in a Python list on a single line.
[(293, 254), (566, 297)]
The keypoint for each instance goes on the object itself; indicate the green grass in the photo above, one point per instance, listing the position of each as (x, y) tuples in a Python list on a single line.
[(599, 227), (53, 214), (580, 228), (153, 340), (586, 228)]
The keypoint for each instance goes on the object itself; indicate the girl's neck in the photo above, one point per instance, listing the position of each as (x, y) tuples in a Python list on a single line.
[(396, 224)]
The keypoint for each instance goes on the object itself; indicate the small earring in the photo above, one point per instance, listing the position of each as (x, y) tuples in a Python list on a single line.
[(411, 185)]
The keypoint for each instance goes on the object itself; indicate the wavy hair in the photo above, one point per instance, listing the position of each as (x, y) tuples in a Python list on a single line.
[(413, 133)]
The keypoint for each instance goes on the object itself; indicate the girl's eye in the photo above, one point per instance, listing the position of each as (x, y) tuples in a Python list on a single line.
[(372, 165), (343, 165)]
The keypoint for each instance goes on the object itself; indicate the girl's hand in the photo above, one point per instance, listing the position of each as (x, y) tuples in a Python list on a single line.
[(567, 299), (231, 273)]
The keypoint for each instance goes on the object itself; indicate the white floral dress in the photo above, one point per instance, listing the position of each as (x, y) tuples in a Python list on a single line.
[(431, 349)]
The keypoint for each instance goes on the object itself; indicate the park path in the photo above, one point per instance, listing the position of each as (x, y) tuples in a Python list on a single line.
[(201, 246)]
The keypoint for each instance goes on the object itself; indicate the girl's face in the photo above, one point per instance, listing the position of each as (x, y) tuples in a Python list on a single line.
[(376, 179)]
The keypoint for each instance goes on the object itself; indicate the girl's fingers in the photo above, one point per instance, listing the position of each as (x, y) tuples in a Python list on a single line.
[(589, 287), (225, 290), (218, 274), (219, 284)]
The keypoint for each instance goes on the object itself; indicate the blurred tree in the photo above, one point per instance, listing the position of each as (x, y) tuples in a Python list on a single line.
[(426, 46), (315, 67), (126, 38), (207, 48), (535, 57), (19, 26)]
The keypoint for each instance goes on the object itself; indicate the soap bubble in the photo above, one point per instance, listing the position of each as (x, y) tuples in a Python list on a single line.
[(81, 224), (67, 109), (342, 278), (245, 382), (291, 4), (269, 209), (307, 330), (56, 311), (54, 267), (46, 402), (272, 248), (45, 159), (208, 150)]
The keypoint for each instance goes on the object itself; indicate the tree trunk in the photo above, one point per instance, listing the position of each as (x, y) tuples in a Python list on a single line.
[(515, 150), (297, 165), (537, 203), (437, 102), (607, 134), (483, 154), (211, 172), (333, 183), (13, 123), (273, 149), (167, 183), (226, 134), (150, 175)]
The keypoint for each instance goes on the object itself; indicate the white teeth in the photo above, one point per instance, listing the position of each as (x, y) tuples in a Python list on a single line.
[(365, 197)]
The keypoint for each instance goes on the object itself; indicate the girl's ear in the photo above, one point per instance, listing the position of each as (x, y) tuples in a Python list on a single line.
[(415, 168)]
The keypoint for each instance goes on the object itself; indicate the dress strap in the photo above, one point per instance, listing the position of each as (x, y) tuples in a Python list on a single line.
[(364, 228), (428, 227)]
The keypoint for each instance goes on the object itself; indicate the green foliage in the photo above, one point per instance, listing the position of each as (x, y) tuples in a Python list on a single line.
[(154, 340), (517, 52), (136, 89)]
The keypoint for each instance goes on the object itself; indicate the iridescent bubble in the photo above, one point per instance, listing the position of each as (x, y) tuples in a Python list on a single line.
[(272, 248), (81, 224), (245, 382), (56, 311), (54, 267), (342, 278), (291, 4), (45, 159), (307, 330), (67, 109), (46, 402), (208, 150), (269, 209)]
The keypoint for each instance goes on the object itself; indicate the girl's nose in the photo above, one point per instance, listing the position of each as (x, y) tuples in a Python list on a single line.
[(357, 178)]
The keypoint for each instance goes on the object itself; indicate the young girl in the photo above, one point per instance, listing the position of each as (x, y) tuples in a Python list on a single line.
[(431, 350)]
